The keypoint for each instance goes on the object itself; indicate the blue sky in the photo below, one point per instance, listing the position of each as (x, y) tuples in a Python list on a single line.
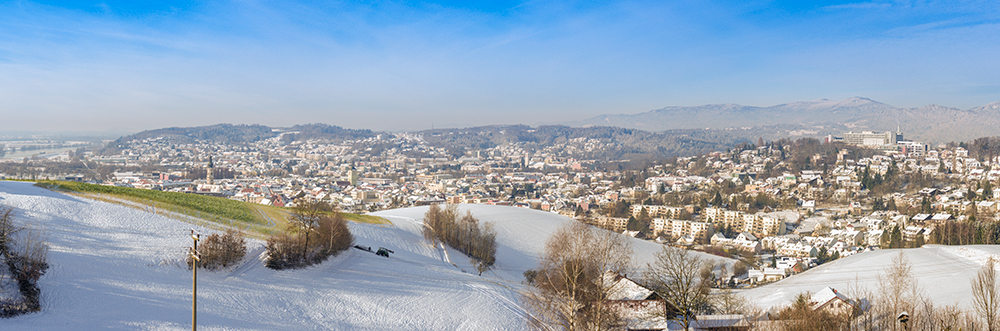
[(410, 65)]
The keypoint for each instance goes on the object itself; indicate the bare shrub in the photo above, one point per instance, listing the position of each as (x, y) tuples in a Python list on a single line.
[(283, 251), (221, 251), (26, 255), (800, 316), (315, 237)]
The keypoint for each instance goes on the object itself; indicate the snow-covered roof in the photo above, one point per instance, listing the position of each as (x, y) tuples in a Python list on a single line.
[(623, 288), (826, 295)]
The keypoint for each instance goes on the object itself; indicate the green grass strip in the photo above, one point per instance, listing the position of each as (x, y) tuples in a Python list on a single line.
[(220, 207), (213, 209)]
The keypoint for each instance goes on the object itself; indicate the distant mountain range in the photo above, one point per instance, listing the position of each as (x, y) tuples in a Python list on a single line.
[(931, 123), (658, 133)]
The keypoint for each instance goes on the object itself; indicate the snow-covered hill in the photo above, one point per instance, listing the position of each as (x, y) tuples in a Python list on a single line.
[(521, 236), (115, 267), (942, 272)]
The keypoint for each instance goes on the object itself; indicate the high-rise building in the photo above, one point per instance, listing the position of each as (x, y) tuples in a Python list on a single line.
[(873, 139), (352, 176)]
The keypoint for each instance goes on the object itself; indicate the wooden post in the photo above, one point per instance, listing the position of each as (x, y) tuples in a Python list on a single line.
[(195, 261)]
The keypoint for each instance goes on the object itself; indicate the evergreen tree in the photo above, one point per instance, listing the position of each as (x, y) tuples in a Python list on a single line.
[(632, 225), (987, 190), (896, 237), (643, 221), (891, 205)]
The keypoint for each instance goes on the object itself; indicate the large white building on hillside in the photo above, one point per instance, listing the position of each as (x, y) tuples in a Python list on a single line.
[(757, 224), (890, 141)]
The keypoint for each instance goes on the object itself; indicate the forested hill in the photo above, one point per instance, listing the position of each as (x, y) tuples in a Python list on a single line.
[(240, 134), (608, 143), (595, 143)]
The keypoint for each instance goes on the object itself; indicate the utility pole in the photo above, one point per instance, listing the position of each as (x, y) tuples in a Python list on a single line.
[(195, 261)]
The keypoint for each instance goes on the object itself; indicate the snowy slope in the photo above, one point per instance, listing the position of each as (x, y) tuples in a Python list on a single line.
[(943, 272), (521, 236), (117, 268)]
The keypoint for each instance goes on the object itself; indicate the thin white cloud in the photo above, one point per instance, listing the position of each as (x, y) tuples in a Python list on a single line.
[(860, 5)]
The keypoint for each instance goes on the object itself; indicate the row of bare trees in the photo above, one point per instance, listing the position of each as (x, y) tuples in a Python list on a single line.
[(316, 231), (897, 292), (572, 285), (570, 291), (468, 235), (25, 255)]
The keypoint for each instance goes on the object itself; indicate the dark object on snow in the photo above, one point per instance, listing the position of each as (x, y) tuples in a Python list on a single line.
[(363, 248), (382, 251)]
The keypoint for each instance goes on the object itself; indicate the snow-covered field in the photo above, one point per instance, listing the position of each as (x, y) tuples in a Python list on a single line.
[(115, 267), (942, 272)]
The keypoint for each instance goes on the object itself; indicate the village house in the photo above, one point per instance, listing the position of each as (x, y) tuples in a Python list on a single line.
[(830, 300)]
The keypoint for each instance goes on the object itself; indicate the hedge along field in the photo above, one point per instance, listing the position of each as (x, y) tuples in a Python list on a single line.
[(214, 206)]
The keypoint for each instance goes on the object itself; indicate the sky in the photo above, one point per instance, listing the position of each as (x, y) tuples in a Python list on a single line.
[(414, 65)]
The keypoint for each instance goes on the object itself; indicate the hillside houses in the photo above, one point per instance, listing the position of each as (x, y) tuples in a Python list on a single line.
[(773, 198)]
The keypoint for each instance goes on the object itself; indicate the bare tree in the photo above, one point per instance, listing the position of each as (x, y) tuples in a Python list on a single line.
[(570, 289), (899, 292), (438, 221), (986, 294), (306, 217), (727, 302), (678, 275), (332, 232)]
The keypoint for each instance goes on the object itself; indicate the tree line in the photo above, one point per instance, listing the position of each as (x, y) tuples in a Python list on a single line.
[(467, 234), (315, 232)]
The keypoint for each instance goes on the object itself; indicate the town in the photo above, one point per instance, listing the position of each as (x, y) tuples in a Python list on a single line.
[(781, 207)]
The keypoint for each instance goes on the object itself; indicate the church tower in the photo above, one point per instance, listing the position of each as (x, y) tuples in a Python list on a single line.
[(209, 176)]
